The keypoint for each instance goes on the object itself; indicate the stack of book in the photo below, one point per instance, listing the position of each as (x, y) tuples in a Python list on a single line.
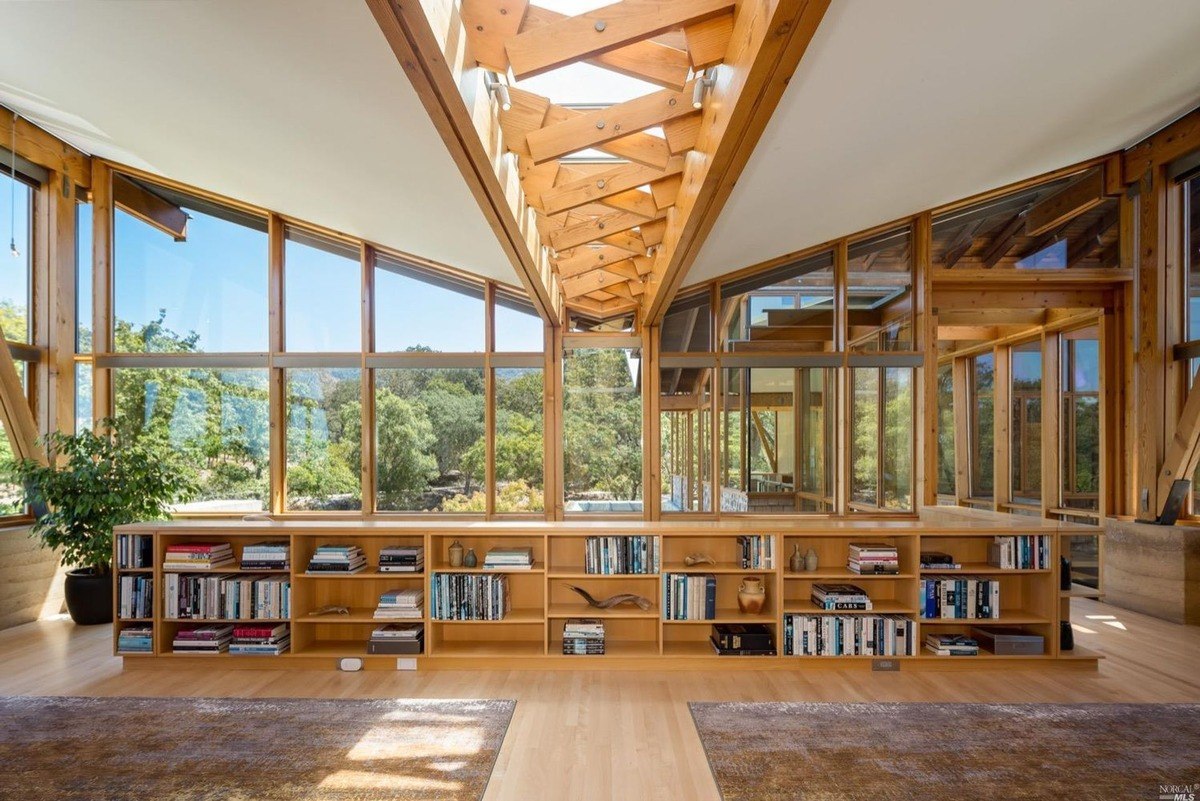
[(955, 597), (841, 596), (870, 558), (266, 556), (135, 550), (469, 596), (737, 639), (1023, 552), (261, 640), (135, 596), (583, 635), (509, 559), (198, 556), (397, 638), (951, 645), (402, 559), (202, 639), (395, 604), (338, 559), (938, 560), (848, 635), (137, 639), (229, 596), (689, 596), (757, 551), (615, 555)]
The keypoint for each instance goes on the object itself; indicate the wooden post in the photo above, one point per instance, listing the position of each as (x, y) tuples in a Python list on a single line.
[(652, 433), (102, 282), (925, 330), (1149, 381), (276, 379), (1002, 412), (1051, 413), (552, 388), (960, 378), (370, 502), (489, 400), (845, 437), (60, 345)]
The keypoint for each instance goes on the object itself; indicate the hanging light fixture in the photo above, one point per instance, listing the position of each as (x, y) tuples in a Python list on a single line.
[(12, 201)]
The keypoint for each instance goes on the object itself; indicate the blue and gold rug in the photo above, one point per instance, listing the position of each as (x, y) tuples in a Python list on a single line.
[(846, 752), (215, 748)]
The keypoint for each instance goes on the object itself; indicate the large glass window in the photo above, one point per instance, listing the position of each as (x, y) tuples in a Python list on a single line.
[(322, 294), (945, 451), (602, 430), (882, 438), (777, 448), (686, 325), (16, 270), (428, 433), (879, 292), (1080, 425), (205, 291), (416, 309), (324, 441), (982, 424), (788, 307), (520, 441), (518, 327), (83, 278), (685, 438), (1026, 391), (216, 420)]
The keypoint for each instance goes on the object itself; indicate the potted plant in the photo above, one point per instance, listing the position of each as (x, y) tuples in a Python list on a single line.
[(89, 484)]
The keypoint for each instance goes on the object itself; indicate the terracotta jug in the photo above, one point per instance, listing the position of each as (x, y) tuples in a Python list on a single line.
[(751, 595)]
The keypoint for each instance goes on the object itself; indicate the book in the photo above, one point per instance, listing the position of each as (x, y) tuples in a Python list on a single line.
[(951, 645), (399, 631), (612, 555), (840, 596), (689, 596), (848, 635)]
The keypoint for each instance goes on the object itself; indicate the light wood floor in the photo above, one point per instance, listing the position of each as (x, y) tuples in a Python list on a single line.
[(628, 735)]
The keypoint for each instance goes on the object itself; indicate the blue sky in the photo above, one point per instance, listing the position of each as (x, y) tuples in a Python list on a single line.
[(14, 286), (215, 284)]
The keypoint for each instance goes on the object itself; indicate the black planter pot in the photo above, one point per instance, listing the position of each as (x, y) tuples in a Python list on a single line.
[(89, 596)]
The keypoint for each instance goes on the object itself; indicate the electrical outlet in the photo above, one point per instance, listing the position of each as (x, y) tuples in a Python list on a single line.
[(885, 664), (406, 664)]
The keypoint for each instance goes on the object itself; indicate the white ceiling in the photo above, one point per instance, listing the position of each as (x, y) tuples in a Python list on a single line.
[(296, 105), (301, 107), (901, 106)]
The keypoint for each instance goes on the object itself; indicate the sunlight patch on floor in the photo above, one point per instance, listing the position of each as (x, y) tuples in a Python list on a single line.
[(361, 779), (417, 742)]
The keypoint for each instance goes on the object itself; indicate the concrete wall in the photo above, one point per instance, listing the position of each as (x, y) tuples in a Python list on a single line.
[(1153, 569), (30, 581)]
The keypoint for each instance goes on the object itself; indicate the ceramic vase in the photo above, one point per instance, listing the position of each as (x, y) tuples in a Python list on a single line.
[(470, 560), (456, 554), (810, 559), (797, 561), (751, 595)]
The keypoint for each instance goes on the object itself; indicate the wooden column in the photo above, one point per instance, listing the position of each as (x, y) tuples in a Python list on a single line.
[(1051, 414), (845, 436), (60, 344), (277, 389), (366, 255), (102, 281), (489, 399), (1002, 411), (1149, 379), (925, 331), (652, 431), (552, 388)]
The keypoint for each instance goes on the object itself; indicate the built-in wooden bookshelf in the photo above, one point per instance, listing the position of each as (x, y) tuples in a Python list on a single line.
[(530, 635)]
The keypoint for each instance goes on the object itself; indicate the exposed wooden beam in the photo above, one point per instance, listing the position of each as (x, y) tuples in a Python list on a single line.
[(634, 201), (436, 79), (1086, 243), (601, 31), (16, 415), (642, 148), (1177, 139), (489, 24), (1183, 447), (594, 128), (149, 208), (768, 42), (647, 60), (1078, 197), (576, 235), (708, 41), (604, 184), (666, 191), (682, 133), (45, 149), (587, 259), (1002, 242)]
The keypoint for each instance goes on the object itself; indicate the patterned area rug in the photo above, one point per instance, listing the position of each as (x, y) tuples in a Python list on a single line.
[(237, 750), (823, 752)]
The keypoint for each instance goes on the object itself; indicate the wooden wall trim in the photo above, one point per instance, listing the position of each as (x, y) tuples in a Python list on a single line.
[(45, 149)]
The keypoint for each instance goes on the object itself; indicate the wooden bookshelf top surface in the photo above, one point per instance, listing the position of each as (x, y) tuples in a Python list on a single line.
[(941, 521)]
